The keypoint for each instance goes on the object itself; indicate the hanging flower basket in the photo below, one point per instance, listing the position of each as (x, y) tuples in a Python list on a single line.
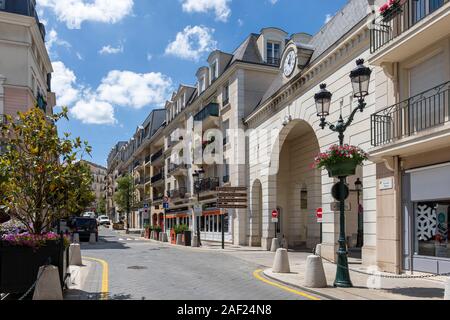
[(340, 161), (391, 9)]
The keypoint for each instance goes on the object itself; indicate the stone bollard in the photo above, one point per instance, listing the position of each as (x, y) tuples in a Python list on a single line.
[(75, 255), (48, 286), (160, 237), (315, 274), (195, 243), (318, 250), (92, 238), (447, 290), (179, 239), (275, 245), (281, 262), (76, 238), (164, 237), (152, 235), (284, 243)]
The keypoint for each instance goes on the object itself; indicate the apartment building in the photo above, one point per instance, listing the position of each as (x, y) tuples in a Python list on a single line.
[(25, 67), (112, 174), (410, 136), (98, 173)]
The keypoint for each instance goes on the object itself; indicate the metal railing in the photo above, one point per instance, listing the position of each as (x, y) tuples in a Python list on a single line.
[(207, 184), (157, 155), (418, 113), (400, 18), (273, 61), (173, 167), (178, 194), (211, 110), (148, 159), (157, 178)]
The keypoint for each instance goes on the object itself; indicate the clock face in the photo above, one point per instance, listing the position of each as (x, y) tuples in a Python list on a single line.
[(289, 63)]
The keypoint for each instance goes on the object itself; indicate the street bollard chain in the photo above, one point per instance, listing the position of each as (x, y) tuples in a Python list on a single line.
[(378, 274), (34, 284)]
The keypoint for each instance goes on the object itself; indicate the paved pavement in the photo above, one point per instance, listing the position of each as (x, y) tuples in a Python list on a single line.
[(142, 270)]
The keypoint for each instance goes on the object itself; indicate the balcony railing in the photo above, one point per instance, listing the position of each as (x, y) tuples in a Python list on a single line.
[(273, 61), (148, 159), (157, 178), (400, 18), (178, 194), (173, 167), (157, 155), (421, 112), (207, 184), (211, 110)]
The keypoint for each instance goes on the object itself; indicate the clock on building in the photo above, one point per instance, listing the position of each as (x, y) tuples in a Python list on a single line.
[(289, 63)]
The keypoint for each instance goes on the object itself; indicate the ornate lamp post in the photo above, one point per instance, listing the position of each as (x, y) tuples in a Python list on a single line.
[(198, 176), (360, 79), (360, 238)]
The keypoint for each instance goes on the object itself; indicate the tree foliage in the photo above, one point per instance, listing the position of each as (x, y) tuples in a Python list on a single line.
[(41, 178), (101, 206), (125, 193)]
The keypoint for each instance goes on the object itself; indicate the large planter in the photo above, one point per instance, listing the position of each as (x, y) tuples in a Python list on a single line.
[(187, 238), (19, 266), (343, 168), (391, 13)]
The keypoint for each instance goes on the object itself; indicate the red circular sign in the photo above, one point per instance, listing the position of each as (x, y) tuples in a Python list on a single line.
[(274, 214), (319, 213)]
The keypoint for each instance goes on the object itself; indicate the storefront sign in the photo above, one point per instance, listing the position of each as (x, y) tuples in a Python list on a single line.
[(386, 184)]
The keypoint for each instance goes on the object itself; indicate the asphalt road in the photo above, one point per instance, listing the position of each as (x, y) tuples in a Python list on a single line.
[(143, 270)]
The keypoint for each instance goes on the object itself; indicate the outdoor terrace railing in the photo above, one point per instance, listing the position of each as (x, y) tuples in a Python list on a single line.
[(208, 184), (418, 113), (211, 110), (178, 194), (173, 167), (400, 18), (157, 155), (157, 178), (273, 61)]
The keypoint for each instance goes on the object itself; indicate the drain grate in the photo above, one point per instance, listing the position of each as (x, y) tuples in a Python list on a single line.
[(137, 268)]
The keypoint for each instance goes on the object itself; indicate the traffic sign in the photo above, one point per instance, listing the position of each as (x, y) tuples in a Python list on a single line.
[(165, 205), (336, 192), (198, 210), (232, 197), (275, 220), (166, 199), (275, 214), (319, 215)]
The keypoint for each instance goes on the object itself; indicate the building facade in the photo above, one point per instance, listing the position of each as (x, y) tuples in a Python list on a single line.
[(259, 101), (25, 67), (98, 173)]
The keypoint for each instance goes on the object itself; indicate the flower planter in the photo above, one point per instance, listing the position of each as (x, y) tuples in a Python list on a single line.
[(393, 11), (19, 266), (342, 169)]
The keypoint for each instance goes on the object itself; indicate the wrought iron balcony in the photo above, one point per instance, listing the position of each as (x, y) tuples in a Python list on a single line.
[(211, 110), (148, 159), (157, 155), (424, 111), (273, 61), (178, 194), (157, 178), (177, 167), (399, 18), (207, 185)]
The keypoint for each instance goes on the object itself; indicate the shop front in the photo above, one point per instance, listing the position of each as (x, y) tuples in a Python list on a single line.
[(211, 226), (426, 223)]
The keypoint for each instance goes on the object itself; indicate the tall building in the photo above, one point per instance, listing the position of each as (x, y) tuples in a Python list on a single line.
[(25, 67), (98, 173)]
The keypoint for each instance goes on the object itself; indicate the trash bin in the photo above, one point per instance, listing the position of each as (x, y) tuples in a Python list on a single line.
[(187, 238)]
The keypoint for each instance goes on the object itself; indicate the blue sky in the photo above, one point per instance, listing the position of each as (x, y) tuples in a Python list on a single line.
[(116, 60)]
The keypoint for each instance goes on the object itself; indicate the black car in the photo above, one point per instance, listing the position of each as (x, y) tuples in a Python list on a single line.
[(84, 227)]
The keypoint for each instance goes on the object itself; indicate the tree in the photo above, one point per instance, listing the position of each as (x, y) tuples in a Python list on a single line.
[(101, 206), (83, 193), (125, 194), (40, 175)]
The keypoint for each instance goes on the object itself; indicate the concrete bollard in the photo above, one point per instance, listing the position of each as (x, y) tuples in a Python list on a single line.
[(48, 286), (447, 290), (315, 274), (275, 245), (195, 243), (92, 238), (160, 237), (76, 238), (284, 243), (281, 262), (75, 255), (152, 235), (164, 237), (179, 239), (318, 250)]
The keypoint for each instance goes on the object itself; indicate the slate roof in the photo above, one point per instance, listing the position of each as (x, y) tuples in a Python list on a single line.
[(248, 51), (332, 32)]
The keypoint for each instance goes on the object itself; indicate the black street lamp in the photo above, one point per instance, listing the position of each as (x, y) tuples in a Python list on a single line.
[(360, 79), (198, 176), (360, 238)]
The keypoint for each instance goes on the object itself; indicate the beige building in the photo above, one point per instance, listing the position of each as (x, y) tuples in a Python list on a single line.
[(266, 89), (25, 67), (98, 173)]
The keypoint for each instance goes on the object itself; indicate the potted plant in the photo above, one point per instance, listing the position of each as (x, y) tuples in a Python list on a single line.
[(391, 9), (340, 161), (183, 229), (42, 181), (147, 228), (157, 229)]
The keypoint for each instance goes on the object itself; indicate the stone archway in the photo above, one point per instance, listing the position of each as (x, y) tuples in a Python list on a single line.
[(256, 215), (291, 175)]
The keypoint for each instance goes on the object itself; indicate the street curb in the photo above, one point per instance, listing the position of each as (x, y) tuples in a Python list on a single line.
[(299, 287)]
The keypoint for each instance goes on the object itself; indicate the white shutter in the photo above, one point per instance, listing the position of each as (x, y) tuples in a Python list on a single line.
[(432, 183), (427, 75)]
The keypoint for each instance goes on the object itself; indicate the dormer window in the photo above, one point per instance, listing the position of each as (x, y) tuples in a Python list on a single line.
[(214, 71), (273, 53), (201, 84)]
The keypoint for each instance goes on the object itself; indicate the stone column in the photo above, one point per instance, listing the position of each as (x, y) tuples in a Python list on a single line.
[(269, 196)]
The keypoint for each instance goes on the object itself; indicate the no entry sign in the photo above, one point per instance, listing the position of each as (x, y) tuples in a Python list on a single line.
[(319, 215), (275, 216)]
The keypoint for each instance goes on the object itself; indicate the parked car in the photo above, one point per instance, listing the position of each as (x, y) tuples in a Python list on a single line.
[(104, 221), (84, 227), (89, 215)]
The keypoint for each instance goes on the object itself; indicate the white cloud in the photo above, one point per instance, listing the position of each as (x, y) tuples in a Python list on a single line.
[(64, 84), (75, 12), (52, 40), (149, 57), (117, 89), (93, 111), (220, 7), (273, 1), (192, 42), (240, 22), (135, 90), (111, 50)]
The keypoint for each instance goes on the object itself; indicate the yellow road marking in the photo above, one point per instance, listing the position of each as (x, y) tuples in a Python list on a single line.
[(257, 275), (105, 271)]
